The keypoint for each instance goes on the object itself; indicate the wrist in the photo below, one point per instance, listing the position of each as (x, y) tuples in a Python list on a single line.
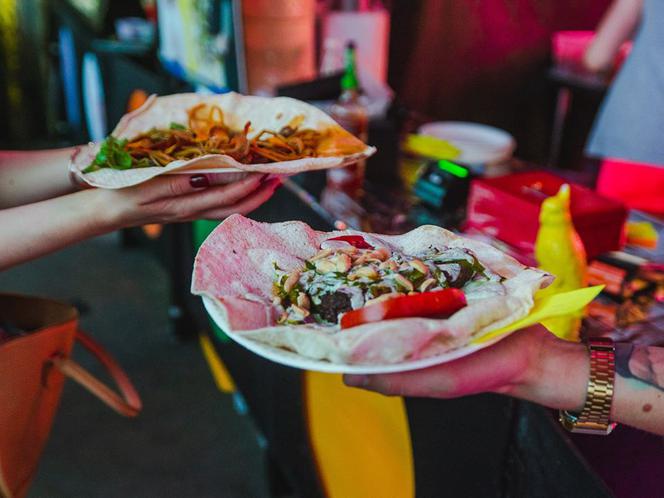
[(558, 375), (105, 214)]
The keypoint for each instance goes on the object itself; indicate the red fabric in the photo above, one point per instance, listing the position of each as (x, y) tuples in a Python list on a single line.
[(639, 186)]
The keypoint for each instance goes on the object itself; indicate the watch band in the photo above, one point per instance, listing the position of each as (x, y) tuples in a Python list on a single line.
[(594, 417)]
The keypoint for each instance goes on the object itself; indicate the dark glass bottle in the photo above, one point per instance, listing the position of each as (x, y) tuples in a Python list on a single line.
[(352, 115)]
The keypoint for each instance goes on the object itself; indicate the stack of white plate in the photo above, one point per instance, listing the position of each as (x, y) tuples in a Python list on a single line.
[(481, 146)]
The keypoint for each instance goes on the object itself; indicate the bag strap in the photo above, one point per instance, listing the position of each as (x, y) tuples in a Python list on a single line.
[(127, 403)]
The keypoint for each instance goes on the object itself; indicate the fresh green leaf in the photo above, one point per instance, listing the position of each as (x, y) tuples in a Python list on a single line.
[(112, 154), (102, 156), (122, 160)]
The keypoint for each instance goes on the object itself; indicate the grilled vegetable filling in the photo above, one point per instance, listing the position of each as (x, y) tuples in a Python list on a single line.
[(344, 277)]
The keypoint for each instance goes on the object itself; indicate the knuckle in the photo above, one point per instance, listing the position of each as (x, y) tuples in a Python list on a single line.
[(443, 389), (169, 211), (176, 186)]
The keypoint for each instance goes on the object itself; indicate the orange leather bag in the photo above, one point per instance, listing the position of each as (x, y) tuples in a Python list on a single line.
[(34, 362)]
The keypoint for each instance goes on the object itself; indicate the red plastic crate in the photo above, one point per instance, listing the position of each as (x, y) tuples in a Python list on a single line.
[(508, 207)]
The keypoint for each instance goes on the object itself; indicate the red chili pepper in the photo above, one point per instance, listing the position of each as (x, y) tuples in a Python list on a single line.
[(438, 304), (354, 240)]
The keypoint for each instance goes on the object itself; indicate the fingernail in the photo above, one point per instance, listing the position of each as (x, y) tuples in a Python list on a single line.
[(356, 380), (199, 181)]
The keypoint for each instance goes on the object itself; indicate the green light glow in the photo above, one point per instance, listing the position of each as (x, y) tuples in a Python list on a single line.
[(453, 169)]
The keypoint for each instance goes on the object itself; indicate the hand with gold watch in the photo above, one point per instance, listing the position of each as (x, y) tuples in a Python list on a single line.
[(594, 418), (595, 386)]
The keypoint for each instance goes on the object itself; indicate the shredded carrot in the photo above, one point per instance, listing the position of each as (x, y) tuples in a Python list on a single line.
[(206, 133)]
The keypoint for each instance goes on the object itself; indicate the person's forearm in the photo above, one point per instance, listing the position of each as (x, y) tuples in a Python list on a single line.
[(616, 27), (560, 381), (33, 230), (32, 176), (640, 378), (638, 404)]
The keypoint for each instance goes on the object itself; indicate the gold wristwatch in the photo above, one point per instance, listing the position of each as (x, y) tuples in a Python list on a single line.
[(594, 417)]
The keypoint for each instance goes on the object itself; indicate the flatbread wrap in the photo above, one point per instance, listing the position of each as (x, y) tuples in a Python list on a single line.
[(256, 272), (228, 133)]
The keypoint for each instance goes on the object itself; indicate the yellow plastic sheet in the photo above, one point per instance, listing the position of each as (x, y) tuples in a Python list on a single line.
[(556, 305)]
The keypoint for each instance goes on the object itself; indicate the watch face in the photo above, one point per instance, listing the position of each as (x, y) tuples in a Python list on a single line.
[(567, 420)]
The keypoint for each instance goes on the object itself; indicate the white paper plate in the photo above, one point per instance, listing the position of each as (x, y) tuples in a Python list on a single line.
[(290, 359), (479, 144)]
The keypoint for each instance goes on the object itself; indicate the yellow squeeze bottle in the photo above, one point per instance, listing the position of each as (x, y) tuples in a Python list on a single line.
[(559, 251)]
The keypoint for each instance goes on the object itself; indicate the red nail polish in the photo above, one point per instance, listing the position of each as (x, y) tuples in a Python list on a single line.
[(199, 181)]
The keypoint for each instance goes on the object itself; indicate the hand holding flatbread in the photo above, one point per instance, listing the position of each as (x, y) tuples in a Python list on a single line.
[(229, 133)]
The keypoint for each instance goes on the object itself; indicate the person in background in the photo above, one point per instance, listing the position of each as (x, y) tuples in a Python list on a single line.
[(627, 133), (534, 365), (44, 208)]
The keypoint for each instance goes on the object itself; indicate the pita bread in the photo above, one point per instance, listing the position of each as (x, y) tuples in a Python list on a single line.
[(234, 266), (264, 113)]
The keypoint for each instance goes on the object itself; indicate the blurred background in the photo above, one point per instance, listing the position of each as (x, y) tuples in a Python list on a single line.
[(450, 91), (70, 66)]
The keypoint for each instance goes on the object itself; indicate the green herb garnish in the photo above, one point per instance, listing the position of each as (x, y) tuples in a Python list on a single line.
[(111, 155), (414, 276)]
